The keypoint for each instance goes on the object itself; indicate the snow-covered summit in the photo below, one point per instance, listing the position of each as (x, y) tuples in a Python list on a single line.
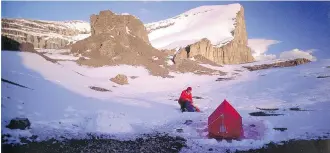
[(215, 22)]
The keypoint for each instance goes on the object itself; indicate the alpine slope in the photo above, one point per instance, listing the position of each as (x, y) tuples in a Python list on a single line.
[(58, 100)]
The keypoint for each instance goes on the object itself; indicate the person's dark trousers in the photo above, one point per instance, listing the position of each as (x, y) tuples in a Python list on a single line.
[(182, 107), (189, 106)]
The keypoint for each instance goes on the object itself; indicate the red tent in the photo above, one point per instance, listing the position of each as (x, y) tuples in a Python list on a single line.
[(225, 122)]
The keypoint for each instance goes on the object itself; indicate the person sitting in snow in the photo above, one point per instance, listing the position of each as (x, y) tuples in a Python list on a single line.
[(186, 102)]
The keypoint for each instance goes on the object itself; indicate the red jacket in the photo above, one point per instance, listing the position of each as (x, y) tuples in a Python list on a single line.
[(185, 96)]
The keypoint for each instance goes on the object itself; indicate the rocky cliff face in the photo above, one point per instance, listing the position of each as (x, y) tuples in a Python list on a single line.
[(45, 34), (234, 52), (216, 32), (110, 23), (120, 39)]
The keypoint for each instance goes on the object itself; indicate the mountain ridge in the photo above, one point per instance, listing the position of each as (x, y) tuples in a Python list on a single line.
[(222, 25), (45, 34)]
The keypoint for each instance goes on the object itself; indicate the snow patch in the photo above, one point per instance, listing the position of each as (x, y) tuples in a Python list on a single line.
[(127, 30), (155, 58), (193, 59), (80, 37), (169, 62)]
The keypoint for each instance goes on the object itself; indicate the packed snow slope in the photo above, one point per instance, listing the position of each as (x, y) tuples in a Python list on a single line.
[(215, 22), (59, 102)]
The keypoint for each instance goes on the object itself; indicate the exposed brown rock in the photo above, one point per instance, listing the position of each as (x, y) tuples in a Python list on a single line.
[(26, 47), (169, 52), (289, 63), (82, 58), (234, 52), (185, 66), (120, 39), (120, 79), (108, 22), (203, 60)]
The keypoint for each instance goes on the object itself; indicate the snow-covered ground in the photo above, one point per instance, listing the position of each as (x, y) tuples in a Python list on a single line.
[(60, 102), (215, 22)]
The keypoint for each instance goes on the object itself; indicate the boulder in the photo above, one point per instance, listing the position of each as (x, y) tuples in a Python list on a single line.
[(99, 89), (120, 79), (19, 123)]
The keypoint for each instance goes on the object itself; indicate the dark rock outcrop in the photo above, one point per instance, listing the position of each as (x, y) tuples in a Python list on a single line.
[(99, 89), (19, 123), (13, 45), (289, 63), (323, 76), (186, 66)]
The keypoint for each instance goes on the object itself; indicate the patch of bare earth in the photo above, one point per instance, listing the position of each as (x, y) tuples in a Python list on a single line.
[(186, 65), (137, 54), (203, 60)]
